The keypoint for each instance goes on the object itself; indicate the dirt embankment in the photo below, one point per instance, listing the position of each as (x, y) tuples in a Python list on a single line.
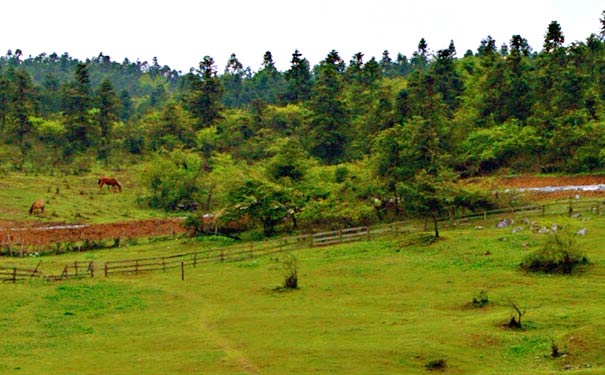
[(532, 182), (21, 234)]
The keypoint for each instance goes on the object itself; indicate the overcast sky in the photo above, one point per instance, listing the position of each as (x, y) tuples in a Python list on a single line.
[(181, 32)]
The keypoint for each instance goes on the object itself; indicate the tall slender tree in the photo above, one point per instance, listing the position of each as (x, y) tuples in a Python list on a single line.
[(107, 103), (76, 105), (328, 136), (206, 91), (299, 79)]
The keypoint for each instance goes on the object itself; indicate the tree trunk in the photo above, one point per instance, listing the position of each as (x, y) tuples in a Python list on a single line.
[(435, 225)]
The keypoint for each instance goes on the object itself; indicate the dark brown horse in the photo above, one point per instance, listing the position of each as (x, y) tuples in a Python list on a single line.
[(37, 207), (109, 181)]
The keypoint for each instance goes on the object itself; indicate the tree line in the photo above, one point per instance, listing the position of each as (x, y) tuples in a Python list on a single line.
[(390, 127)]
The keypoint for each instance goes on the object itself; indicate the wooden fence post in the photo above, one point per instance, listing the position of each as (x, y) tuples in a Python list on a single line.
[(222, 255), (163, 264), (368, 232), (136, 266), (76, 267), (182, 271), (106, 269), (14, 275), (194, 260), (91, 269), (35, 270)]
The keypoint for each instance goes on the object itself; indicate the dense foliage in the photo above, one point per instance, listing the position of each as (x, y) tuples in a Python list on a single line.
[(369, 134)]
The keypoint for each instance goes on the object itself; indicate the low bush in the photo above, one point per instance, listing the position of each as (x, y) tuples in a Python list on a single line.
[(436, 364), (559, 254), (480, 299)]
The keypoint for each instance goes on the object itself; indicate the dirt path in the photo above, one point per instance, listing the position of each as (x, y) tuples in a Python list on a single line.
[(233, 354)]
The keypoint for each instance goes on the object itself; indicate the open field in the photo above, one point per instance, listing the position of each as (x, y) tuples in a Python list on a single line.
[(387, 306)]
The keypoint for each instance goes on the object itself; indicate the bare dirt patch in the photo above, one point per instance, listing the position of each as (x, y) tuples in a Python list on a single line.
[(525, 182), (29, 234)]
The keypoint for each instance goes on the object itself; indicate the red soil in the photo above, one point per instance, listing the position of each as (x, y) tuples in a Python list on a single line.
[(19, 235)]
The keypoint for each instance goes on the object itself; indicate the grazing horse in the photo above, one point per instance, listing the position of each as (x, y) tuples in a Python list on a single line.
[(110, 181), (37, 207)]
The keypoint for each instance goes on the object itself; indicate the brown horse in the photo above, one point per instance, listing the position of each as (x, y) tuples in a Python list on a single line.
[(37, 207), (109, 181)]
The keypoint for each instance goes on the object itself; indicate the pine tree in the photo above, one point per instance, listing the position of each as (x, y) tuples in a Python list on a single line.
[(206, 91), (554, 37), (299, 79), (76, 105), (328, 134), (108, 107)]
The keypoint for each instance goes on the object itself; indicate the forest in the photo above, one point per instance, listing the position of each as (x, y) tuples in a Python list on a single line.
[(340, 142)]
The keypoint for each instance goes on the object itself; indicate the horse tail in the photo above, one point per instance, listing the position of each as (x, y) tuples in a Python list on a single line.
[(118, 185), (31, 210)]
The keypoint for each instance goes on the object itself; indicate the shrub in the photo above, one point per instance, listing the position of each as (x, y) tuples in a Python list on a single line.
[(480, 299), (436, 364), (290, 265), (559, 254)]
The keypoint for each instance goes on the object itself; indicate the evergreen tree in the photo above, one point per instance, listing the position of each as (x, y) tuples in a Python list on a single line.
[(447, 80), (554, 37), (299, 79), (107, 103), (420, 58), (125, 106), (268, 84), (76, 106), (22, 106), (233, 79), (206, 91), (328, 134)]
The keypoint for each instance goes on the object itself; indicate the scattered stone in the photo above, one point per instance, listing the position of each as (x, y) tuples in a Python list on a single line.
[(504, 223), (575, 216), (478, 227), (554, 227), (543, 230), (518, 229), (581, 232)]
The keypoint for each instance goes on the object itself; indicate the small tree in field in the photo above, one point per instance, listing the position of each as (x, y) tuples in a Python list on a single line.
[(290, 264)]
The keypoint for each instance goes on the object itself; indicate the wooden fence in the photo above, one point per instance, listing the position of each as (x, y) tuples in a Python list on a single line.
[(14, 274), (80, 269)]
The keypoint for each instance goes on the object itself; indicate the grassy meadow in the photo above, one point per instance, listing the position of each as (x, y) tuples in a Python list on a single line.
[(75, 199), (387, 306)]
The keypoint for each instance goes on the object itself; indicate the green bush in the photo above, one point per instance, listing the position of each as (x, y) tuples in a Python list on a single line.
[(480, 299), (560, 253)]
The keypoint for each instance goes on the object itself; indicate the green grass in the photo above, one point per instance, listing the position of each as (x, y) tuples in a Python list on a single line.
[(75, 199), (389, 306)]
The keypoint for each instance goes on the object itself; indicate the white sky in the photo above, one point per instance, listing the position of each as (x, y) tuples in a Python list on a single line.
[(181, 32)]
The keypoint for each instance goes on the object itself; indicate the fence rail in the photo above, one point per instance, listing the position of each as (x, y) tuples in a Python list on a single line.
[(14, 274), (78, 269)]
